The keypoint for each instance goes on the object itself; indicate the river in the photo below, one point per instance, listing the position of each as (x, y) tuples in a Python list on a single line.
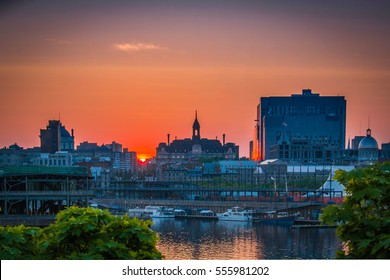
[(193, 239)]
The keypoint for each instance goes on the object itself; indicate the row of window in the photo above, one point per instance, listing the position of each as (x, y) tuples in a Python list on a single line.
[(54, 162), (304, 110)]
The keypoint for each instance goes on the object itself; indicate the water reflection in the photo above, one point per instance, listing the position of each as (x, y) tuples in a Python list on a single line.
[(199, 240)]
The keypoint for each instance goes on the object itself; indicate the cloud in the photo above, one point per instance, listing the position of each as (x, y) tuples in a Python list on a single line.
[(131, 47)]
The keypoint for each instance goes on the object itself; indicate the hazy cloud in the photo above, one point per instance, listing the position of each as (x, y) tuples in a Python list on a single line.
[(131, 47)]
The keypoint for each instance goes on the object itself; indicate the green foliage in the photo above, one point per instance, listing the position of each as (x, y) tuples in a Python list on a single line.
[(17, 242), (363, 220), (82, 233)]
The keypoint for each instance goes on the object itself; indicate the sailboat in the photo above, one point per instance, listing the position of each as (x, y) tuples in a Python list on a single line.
[(279, 217)]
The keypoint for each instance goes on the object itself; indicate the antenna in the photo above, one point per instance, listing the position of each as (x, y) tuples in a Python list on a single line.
[(368, 121)]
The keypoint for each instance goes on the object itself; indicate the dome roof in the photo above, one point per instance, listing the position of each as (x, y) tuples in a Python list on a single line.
[(64, 132), (368, 142)]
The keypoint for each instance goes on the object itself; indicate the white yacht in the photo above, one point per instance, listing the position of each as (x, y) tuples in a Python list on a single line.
[(236, 214), (151, 212), (159, 212), (139, 213)]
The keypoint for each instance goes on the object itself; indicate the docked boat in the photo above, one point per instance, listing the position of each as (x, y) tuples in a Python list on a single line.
[(207, 213), (236, 214), (139, 213), (180, 213), (159, 212), (151, 212), (278, 218)]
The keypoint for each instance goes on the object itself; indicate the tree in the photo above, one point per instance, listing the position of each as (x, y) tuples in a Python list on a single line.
[(18, 242), (363, 220), (84, 233)]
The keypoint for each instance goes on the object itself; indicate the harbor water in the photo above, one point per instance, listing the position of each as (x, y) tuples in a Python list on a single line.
[(194, 239)]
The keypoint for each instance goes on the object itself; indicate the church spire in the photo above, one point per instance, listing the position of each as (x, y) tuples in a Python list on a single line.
[(196, 128)]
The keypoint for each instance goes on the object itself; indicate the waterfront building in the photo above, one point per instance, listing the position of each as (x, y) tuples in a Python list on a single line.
[(56, 138), (30, 191), (237, 170), (301, 128), (63, 159), (195, 148), (368, 149)]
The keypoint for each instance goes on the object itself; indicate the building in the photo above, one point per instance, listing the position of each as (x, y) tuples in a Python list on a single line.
[(301, 128), (121, 160), (368, 149), (13, 155), (384, 153), (115, 147), (58, 159), (31, 191), (251, 152), (195, 148), (355, 142), (56, 138), (129, 161)]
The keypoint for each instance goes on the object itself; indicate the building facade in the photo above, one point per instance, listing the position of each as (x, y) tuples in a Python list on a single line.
[(301, 128), (195, 148), (368, 150), (56, 138)]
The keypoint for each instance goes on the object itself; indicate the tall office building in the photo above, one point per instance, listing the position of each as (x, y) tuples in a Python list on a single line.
[(301, 128)]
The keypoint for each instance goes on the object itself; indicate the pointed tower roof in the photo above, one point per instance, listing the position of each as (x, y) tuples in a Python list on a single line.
[(196, 128), (196, 124)]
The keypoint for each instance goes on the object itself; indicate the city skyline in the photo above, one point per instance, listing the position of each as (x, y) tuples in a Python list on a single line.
[(134, 71)]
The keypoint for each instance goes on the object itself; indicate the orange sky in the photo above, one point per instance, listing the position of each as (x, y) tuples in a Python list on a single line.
[(133, 72)]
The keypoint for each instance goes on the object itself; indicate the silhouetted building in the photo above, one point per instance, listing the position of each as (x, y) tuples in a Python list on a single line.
[(13, 155), (115, 147), (195, 148), (355, 142), (86, 146), (251, 153), (67, 140), (368, 149), (56, 138), (302, 128), (384, 153)]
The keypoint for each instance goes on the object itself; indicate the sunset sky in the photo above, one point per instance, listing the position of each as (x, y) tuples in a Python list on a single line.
[(133, 71)]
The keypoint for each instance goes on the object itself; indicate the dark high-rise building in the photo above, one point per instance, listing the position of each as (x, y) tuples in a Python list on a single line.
[(56, 138), (302, 128), (51, 137)]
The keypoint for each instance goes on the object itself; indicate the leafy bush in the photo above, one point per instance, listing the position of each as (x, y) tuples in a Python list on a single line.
[(82, 233)]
